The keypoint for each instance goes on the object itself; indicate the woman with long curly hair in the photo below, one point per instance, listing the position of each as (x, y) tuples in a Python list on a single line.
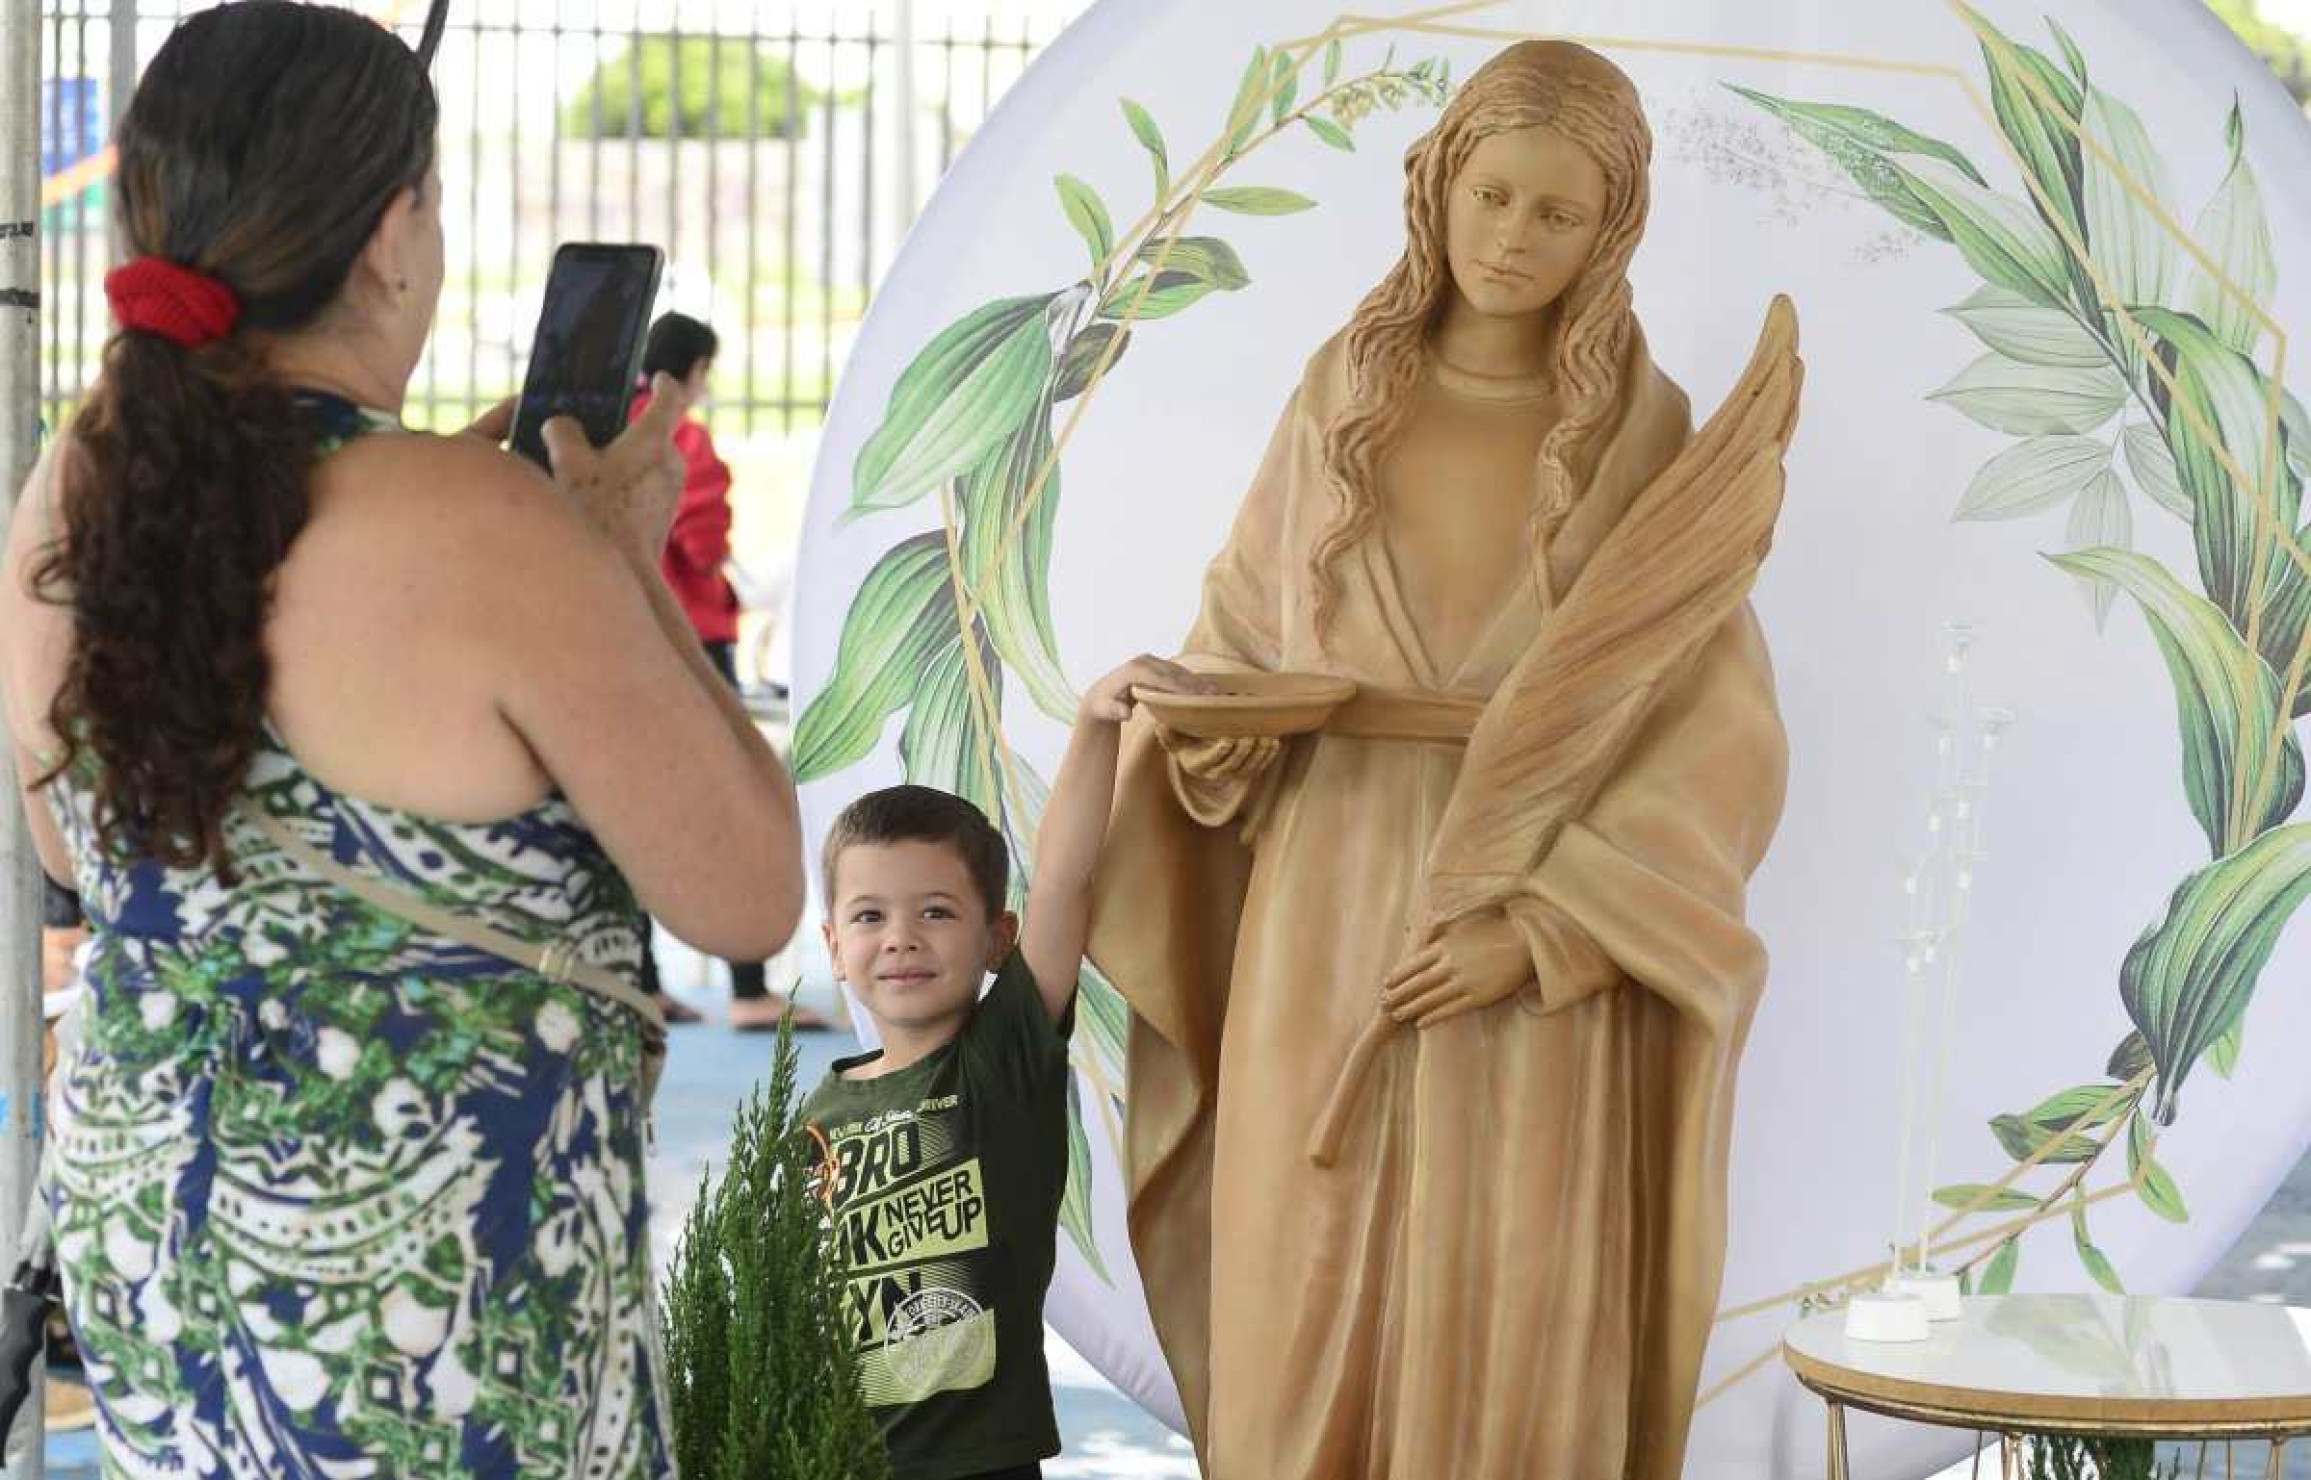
[(338, 1191), (1437, 1010)]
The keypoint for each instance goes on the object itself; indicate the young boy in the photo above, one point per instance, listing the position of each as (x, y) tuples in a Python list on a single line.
[(947, 1149)]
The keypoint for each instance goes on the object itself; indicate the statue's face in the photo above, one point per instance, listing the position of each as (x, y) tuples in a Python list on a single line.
[(1521, 221)]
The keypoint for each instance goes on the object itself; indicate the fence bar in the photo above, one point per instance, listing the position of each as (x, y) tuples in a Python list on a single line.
[(514, 172), (20, 915), (713, 151), (826, 252), (473, 167), (54, 226), (903, 38), (793, 141), (754, 40), (672, 241), (866, 188), (895, 92)]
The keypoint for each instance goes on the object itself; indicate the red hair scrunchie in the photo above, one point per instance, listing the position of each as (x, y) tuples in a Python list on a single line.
[(153, 295)]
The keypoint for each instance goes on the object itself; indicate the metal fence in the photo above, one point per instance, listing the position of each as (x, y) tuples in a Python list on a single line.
[(777, 151)]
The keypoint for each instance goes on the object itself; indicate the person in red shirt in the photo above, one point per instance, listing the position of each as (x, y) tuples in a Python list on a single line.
[(696, 549)]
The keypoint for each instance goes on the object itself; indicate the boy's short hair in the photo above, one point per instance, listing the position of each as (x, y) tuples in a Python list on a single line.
[(922, 814), (676, 344)]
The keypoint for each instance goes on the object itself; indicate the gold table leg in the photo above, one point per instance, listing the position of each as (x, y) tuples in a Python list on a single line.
[(1839, 1460), (2276, 1469)]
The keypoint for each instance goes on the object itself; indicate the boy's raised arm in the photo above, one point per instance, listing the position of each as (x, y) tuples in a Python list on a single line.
[(1075, 826)]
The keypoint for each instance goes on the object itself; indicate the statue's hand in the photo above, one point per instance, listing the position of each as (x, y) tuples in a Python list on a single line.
[(1238, 759), (1479, 960)]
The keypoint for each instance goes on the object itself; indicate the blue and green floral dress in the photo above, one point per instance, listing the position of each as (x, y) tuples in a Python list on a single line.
[(337, 1197)]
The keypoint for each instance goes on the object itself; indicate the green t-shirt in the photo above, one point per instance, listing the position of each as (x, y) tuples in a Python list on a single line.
[(948, 1177)]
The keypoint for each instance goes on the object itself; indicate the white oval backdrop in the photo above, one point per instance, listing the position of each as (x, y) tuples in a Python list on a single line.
[(2088, 830)]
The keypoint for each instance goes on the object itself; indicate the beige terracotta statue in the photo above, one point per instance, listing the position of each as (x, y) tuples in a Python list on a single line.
[(1437, 1008)]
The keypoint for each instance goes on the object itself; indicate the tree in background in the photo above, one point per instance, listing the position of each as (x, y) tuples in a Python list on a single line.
[(729, 88), (2288, 54)]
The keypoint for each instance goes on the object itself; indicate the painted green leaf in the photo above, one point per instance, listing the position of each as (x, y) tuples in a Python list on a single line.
[(2123, 234), (2154, 470), (1872, 130), (2037, 106), (1283, 87), (1858, 141), (1083, 356), (2000, 237), (2221, 390), (902, 614), (1244, 112), (1205, 257), (2033, 400), (1332, 61), (1151, 138), (2080, 1107), (2070, 52), (2100, 521), (2024, 330), (1087, 213), (1010, 578), (1961, 1196), (1140, 300), (2226, 698), (2130, 1058), (967, 391), (2152, 1182), (2034, 475), (2097, 1263), (946, 740), (1105, 1019), (1075, 1203), (1257, 200), (2188, 980), (2224, 1056), (2233, 230), (2295, 426), (1998, 1274), (1330, 132), (2065, 1116)]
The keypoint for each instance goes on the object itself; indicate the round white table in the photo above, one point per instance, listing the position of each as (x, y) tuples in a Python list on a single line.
[(2095, 1366)]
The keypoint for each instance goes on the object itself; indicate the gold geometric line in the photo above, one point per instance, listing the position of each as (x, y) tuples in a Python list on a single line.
[(2134, 186), (1689, 48), (2269, 530), (1349, 23)]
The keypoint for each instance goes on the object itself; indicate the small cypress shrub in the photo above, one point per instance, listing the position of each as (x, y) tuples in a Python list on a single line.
[(761, 1374), (2064, 1458)]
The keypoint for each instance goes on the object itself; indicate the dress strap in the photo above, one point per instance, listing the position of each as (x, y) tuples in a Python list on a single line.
[(556, 961), (336, 420)]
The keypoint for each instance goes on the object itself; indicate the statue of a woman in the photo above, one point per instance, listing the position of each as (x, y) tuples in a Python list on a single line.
[(1437, 1011)]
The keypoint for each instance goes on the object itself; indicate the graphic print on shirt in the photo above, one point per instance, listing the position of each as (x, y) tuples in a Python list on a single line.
[(911, 1212)]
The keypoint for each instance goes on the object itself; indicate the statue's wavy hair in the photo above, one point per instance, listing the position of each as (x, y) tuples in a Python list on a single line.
[(1577, 93)]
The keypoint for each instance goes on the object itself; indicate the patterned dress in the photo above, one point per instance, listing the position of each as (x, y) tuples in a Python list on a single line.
[(336, 1197)]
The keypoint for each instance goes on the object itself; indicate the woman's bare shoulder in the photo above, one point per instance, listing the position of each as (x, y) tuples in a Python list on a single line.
[(453, 500)]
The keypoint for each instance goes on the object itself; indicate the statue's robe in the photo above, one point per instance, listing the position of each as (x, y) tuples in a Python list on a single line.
[(1509, 1272)]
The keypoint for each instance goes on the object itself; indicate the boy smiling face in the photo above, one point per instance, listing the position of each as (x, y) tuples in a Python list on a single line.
[(911, 935)]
